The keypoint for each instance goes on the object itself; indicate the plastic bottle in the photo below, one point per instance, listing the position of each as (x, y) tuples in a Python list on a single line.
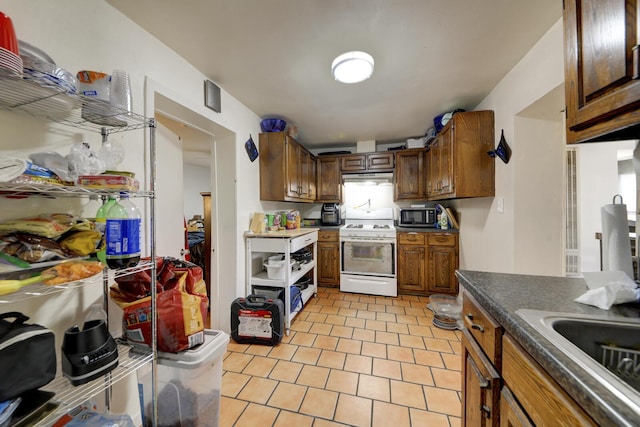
[(123, 234), (101, 225), (96, 313)]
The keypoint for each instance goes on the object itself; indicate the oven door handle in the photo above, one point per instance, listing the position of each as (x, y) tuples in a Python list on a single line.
[(368, 239), (366, 279)]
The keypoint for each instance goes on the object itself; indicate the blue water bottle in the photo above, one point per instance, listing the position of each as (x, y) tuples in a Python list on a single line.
[(123, 234)]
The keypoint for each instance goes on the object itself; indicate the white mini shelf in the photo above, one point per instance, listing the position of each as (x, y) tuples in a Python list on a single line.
[(260, 246)]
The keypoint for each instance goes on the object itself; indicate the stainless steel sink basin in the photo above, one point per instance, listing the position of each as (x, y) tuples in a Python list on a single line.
[(607, 348)]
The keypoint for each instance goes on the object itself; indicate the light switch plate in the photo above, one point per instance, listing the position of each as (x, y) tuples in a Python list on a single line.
[(500, 204)]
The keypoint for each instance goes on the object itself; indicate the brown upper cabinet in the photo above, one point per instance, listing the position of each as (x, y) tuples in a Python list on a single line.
[(410, 175), (367, 162), (602, 90), (329, 179), (458, 163), (287, 169), (455, 166)]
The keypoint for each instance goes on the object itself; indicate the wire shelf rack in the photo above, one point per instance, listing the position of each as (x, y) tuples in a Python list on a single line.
[(623, 362), (42, 98), (130, 359), (53, 191), (40, 289), (39, 96)]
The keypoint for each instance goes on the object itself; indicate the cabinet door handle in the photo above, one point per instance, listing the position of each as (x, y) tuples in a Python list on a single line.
[(476, 326), (486, 411), (636, 62), (482, 381)]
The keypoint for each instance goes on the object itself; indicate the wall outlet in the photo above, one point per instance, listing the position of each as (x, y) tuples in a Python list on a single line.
[(500, 204)]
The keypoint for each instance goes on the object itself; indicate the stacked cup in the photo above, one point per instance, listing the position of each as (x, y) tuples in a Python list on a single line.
[(120, 91), (10, 61)]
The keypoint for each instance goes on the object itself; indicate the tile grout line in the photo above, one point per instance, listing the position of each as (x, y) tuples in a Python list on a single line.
[(378, 340)]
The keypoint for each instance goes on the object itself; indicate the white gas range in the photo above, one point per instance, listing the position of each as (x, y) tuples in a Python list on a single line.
[(368, 252)]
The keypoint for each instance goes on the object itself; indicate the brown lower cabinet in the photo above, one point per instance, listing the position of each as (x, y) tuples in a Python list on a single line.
[(503, 385), (538, 395), (511, 414), (480, 385), (427, 262), (328, 266)]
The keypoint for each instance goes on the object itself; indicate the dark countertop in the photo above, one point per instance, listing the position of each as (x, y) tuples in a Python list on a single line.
[(425, 229), (331, 227), (502, 294), (398, 228), (325, 227), (283, 233)]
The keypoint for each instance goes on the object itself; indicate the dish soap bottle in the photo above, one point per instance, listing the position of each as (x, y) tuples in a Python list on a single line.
[(101, 225)]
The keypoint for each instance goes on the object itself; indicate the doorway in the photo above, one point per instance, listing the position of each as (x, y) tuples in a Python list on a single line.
[(183, 126)]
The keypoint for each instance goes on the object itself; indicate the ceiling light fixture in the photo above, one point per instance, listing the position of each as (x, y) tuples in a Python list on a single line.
[(352, 67)]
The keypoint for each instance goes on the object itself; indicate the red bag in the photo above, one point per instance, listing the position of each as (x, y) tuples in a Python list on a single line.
[(182, 305)]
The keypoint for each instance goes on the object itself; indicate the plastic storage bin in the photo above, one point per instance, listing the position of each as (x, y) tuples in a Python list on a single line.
[(189, 384), (276, 268)]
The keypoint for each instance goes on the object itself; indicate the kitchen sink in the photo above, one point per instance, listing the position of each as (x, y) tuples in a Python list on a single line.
[(607, 347)]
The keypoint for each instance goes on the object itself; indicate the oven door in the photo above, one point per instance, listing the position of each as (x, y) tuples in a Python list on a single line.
[(367, 256)]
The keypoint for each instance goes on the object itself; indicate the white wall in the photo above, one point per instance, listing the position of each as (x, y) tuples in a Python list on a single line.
[(627, 186), (488, 239), (539, 197), (196, 180), (90, 34), (597, 184)]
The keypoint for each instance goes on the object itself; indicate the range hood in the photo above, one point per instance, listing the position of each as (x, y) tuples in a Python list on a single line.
[(365, 178)]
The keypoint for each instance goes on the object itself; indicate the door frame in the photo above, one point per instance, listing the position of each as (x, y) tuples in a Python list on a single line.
[(164, 100)]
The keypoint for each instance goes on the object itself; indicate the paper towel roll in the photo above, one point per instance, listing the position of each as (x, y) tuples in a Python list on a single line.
[(616, 246)]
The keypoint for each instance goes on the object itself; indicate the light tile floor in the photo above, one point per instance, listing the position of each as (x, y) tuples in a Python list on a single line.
[(349, 359)]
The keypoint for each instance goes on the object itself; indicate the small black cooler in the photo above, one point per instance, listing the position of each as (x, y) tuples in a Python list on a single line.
[(257, 319)]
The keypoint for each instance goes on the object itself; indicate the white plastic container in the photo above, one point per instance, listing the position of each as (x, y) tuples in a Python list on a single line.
[(275, 260), (415, 143), (189, 384), (275, 267), (275, 270)]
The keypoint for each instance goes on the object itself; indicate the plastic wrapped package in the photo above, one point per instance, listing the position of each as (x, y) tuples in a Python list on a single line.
[(84, 161), (86, 416), (111, 182)]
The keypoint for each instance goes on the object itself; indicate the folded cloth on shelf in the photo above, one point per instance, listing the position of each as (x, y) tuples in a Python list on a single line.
[(11, 167)]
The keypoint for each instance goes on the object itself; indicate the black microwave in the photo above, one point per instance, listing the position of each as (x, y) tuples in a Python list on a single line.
[(417, 217)]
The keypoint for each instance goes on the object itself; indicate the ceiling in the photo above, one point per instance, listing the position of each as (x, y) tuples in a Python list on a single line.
[(274, 56)]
